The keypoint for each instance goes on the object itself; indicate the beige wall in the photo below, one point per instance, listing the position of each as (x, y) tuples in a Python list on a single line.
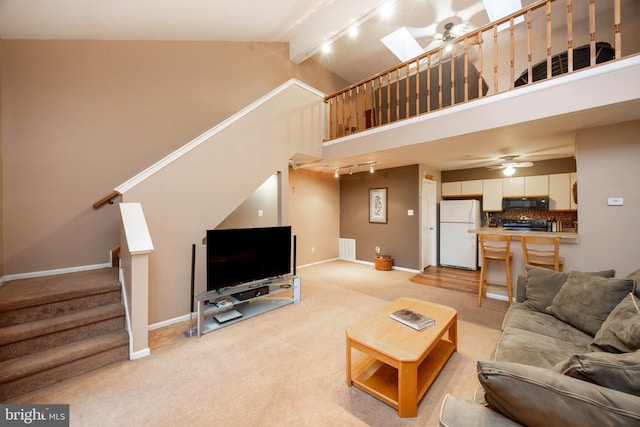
[(608, 167), (314, 212), (205, 185), (264, 199), (81, 117)]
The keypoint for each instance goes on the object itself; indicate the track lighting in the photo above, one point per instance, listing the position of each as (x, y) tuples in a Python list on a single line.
[(384, 12), (350, 168)]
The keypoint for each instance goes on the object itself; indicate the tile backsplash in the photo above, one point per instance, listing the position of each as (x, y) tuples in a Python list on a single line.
[(566, 217)]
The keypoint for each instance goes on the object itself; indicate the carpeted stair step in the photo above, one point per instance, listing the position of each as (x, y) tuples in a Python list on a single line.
[(37, 298), (39, 335), (30, 372)]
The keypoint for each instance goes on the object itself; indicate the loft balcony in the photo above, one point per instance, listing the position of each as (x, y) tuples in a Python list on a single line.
[(545, 41)]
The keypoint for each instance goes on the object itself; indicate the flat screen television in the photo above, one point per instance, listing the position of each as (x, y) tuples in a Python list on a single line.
[(242, 255)]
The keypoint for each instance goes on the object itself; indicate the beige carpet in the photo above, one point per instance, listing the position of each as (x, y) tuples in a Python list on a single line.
[(283, 368)]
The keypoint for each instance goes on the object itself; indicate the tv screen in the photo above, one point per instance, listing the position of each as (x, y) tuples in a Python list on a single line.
[(241, 255)]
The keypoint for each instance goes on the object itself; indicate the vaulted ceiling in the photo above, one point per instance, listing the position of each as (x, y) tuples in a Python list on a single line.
[(305, 25)]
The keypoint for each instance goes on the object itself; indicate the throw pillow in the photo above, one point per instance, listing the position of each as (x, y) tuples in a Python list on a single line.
[(543, 284), (635, 276), (620, 333), (536, 396), (585, 300), (616, 371)]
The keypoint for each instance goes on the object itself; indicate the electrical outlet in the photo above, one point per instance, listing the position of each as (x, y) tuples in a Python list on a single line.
[(260, 213), (377, 249), (313, 249), (615, 201)]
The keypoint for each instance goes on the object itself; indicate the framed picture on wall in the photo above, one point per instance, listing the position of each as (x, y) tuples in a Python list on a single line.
[(378, 205)]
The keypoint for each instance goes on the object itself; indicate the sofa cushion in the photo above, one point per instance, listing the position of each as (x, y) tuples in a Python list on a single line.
[(520, 317), (585, 300), (620, 333), (616, 371), (535, 396), (534, 349), (543, 284)]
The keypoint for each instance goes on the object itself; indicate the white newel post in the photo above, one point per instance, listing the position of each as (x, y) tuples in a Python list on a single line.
[(135, 247)]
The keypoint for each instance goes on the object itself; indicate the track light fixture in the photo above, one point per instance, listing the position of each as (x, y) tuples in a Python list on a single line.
[(349, 168)]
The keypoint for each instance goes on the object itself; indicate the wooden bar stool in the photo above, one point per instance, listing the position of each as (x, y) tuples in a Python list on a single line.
[(542, 251), (497, 248)]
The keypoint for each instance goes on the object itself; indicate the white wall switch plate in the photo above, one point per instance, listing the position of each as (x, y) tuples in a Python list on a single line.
[(615, 201), (410, 212)]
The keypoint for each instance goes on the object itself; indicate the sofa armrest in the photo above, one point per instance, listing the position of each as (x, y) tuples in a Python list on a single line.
[(523, 393), (459, 412)]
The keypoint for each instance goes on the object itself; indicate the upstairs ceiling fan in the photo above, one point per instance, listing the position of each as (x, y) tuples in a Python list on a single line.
[(452, 31), (510, 165)]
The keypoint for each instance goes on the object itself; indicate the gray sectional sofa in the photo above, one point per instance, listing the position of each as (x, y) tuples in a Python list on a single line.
[(569, 355)]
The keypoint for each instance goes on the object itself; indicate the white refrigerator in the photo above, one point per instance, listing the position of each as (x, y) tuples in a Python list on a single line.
[(458, 247)]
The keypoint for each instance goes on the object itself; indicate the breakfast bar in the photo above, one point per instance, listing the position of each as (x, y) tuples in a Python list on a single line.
[(495, 273)]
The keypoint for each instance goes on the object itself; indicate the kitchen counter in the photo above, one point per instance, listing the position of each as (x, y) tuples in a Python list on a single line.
[(495, 271), (564, 235)]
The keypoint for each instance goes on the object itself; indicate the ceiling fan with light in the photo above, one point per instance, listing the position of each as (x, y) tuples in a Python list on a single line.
[(510, 165), (451, 31)]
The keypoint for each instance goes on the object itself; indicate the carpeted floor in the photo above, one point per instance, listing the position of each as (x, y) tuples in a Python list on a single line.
[(283, 368)]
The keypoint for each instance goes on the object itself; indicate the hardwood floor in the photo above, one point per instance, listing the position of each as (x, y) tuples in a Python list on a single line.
[(449, 278)]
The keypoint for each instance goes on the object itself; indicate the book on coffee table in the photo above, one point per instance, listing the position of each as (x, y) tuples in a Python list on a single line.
[(411, 318)]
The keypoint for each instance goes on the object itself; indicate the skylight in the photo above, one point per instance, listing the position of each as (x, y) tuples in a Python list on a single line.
[(497, 9), (402, 44)]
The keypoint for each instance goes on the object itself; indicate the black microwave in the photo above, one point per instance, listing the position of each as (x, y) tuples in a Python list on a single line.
[(525, 203)]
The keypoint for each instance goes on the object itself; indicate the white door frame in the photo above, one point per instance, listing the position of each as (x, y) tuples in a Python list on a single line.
[(428, 229)]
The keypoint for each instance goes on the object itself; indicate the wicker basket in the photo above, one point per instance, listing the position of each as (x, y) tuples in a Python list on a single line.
[(383, 262)]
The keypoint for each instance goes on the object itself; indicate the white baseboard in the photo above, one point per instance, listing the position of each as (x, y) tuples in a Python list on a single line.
[(170, 322), (140, 354), (53, 272), (408, 270), (500, 297), (317, 263)]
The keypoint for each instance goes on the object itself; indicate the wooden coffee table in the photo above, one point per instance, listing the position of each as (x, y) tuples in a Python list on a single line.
[(399, 362)]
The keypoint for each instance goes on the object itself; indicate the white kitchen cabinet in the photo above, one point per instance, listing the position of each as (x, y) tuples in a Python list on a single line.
[(451, 189), (574, 179), (471, 188), (560, 192), (537, 185), (492, 195), (513, 187)]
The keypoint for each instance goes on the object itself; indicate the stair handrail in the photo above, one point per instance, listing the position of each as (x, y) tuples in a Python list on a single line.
[(107, 199)]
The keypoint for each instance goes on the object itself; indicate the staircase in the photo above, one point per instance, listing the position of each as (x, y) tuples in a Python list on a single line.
[(57, 327)]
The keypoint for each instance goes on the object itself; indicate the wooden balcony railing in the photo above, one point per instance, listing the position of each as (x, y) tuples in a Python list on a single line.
[(486, 61)]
